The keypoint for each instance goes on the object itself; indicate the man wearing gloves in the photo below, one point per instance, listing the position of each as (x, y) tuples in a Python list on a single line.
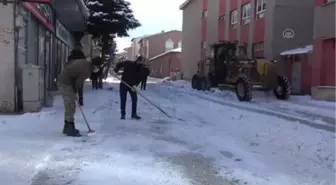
[(131, 75), (69, 82)]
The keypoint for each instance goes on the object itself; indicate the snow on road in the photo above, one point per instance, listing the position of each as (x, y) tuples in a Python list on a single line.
[(204, 143)]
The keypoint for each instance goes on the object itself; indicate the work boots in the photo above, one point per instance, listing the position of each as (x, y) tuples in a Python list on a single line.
[(70, 130), (135, 116)]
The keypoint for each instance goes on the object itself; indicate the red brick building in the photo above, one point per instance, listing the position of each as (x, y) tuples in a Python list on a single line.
[(268, 27), (324, 44), (166, 64), (156, 44)]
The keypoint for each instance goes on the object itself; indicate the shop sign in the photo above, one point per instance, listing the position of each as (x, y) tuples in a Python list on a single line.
[(39, 1), (43, 12), (62, 33)]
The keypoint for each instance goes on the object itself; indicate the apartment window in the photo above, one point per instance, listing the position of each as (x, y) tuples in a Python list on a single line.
[(221, 18), (234, 17), (258, 46), (203, 44), (169, 45), (180, 44), (246, 14), (205, 14), (261, 6)]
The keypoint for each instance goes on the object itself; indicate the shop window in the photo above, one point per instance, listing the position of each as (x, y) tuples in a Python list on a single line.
[(32, 57), (41, 46)]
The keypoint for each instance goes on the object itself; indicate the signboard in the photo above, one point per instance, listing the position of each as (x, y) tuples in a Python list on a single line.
[(63, 34), (288, 33), (42, 12), (39, 1)]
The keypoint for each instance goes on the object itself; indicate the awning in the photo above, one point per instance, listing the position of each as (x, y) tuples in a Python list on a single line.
[(71, 13), (297, 51)]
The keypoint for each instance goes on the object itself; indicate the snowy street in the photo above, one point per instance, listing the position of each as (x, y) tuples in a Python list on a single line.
[(212, 139)]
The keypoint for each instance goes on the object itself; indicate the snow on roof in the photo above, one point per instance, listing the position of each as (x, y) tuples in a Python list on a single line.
[(296, 51), (183, 5), (155, 34), (176, 50)]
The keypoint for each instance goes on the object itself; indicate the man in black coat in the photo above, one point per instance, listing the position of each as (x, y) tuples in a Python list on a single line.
[(144, 75), (131, 76)]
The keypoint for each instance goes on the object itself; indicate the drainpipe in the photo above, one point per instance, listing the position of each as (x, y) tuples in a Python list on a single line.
[(16, 29)]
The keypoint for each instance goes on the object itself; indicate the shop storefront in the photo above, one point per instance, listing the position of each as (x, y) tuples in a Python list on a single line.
[(39, 39), (64, 44)]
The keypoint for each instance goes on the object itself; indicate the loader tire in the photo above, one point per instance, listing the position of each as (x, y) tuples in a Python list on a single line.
[(204, 83), (195, 82), (284, 89), (244, 89)]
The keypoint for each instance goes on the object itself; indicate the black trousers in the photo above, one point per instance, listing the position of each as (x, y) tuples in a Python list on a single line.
[(94, 83), (123, 89), (143, 83)]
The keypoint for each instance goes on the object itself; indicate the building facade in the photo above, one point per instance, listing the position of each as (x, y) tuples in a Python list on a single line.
[(156, 44), (324, 43), (167, 64), (34, 46), (266, 27)]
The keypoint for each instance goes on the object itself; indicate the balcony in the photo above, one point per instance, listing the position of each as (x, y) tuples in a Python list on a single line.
[(324, 20), (72, 14)]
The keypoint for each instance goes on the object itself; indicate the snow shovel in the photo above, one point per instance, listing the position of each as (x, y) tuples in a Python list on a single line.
[(90, 131), (149, 101)]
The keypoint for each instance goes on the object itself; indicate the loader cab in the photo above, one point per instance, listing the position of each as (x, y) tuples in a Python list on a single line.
[(223, 54)]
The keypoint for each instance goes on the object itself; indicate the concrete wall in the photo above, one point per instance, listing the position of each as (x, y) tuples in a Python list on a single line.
[(212, 21), (297, 15), (191, 38), (165, 65), (6, 59)]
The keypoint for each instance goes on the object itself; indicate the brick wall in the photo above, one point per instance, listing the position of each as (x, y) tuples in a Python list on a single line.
[(165, 65)]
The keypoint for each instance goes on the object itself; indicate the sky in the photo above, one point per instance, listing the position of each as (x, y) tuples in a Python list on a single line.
[(154, 16)]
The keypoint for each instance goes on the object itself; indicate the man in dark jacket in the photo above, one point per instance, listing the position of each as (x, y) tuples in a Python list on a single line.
[(130, 75), (144, 75), (95, 72)]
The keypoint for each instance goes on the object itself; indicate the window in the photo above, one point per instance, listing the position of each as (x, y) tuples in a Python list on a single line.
[(261, 6), (246, 14), (258, 46), (203, 44), (234, 17), (180, 44), (205, 14), (221, 18), (169, 45)]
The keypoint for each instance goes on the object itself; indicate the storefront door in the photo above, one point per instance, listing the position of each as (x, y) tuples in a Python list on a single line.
[(42, 62)]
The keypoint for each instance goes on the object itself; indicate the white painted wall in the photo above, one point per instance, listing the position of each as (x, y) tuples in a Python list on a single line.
[(6, 58)]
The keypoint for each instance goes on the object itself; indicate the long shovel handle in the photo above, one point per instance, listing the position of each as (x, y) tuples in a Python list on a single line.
[(82, 112)]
